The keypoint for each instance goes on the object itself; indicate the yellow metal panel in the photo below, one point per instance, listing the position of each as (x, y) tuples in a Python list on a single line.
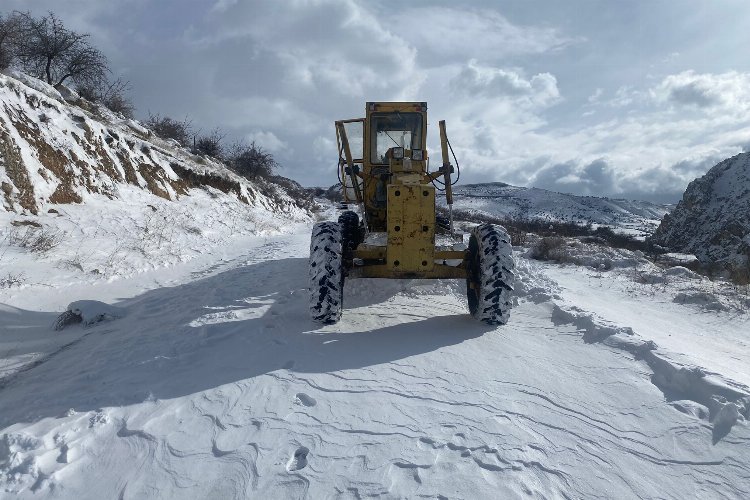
[(449, 254), (411, 228), (369, 252)]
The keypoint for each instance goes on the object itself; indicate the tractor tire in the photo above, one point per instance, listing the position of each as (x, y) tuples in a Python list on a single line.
[(326, 273), (350, 234), (489, 274)]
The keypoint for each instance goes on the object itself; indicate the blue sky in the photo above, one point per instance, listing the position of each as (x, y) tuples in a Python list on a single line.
[(627, 99)]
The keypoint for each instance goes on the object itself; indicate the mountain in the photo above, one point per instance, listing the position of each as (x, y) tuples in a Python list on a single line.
[(502, 200), (712, 220)]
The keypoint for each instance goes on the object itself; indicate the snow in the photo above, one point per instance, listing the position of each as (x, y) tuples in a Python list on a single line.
[(188, 367), (215, 383), (34, 83)]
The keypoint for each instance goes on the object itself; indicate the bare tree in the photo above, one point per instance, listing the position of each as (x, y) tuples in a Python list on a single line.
[(48, 50), (10, 26)]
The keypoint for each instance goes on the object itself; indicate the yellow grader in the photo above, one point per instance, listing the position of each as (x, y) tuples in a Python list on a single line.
[(384, 171)]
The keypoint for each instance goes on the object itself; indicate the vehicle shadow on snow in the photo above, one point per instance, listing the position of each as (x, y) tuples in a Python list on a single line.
[(234, 326)]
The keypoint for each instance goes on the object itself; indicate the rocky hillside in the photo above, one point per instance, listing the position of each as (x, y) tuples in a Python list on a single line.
[(713, 219), (57, 149), (87, 195)]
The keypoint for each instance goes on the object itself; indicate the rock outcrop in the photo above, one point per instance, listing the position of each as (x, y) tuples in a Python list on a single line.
[(713, 219)]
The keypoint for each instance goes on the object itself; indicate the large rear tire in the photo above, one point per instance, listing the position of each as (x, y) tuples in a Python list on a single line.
[(326, 273), (489, 274)]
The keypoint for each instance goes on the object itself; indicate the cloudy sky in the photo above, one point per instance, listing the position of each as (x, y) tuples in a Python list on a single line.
[(630, 98)]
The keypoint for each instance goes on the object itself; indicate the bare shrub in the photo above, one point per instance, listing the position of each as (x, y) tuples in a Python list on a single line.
[(300, 196), (35, 239), (550, 248), (66, 319), (518, 236), (210, 145), (155, 234), (12, 279), (74, 262), (333, 193), (740, 274), (112, 95), (169, 128)]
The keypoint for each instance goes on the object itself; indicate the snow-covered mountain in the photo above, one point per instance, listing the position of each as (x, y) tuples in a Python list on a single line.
[(501, 200), (712, 220)]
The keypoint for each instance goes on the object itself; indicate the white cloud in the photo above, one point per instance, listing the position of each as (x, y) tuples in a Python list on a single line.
[(728, 91), (446, 34), (594, 98), (525, 101), (322, 147), (625, 96), (474, 79), (269, 142)]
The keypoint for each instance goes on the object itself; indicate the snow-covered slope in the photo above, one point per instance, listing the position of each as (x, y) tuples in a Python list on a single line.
[(502, 200), (56, 153), (88, 196), (219, 386), (712, 220)]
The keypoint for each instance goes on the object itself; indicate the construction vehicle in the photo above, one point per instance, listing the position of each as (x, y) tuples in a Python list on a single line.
[(384, 171)]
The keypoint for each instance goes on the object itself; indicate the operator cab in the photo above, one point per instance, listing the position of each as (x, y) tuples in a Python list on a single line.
[(392, 133)]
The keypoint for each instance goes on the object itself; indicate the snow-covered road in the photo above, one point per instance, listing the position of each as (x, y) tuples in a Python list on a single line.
[(220, 386)]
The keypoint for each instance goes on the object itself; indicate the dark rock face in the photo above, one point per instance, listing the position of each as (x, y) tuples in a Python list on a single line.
[(713, 219)]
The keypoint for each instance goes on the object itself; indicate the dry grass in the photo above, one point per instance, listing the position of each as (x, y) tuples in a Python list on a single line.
[(12, 279), (35, 239)]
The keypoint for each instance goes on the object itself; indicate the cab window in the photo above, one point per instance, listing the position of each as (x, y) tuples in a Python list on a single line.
[(390, 130)]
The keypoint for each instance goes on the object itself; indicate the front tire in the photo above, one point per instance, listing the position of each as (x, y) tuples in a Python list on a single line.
[(490, 274), (326, 273)]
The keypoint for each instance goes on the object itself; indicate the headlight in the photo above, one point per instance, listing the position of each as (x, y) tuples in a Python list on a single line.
[(397, 153), (417, 154)]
